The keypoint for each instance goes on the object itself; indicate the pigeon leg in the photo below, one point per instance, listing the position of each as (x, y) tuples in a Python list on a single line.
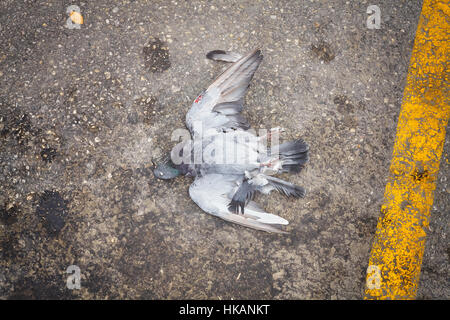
[(273, 131), (276, 130), (273, 164)]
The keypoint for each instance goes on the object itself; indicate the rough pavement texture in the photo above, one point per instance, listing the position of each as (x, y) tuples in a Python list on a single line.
[(83, 111)]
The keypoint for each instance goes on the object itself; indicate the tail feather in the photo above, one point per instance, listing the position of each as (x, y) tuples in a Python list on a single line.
[(293, 147), (293, 155)]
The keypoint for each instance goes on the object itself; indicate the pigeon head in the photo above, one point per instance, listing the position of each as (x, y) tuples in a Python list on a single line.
[(165, 169)]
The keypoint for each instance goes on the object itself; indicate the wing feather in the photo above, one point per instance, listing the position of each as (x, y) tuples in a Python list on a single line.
[(212, 194), (219, 107)]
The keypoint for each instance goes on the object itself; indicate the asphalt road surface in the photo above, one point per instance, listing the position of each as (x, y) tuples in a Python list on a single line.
[(83, 111)]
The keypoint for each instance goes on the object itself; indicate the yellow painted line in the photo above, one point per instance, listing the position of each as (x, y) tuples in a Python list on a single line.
[(397, 250)]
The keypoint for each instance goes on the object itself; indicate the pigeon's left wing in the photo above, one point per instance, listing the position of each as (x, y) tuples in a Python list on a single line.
[(220, 106), (213, 193)]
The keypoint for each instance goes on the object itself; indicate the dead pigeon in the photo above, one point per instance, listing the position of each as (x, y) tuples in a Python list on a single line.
[(233, 166)]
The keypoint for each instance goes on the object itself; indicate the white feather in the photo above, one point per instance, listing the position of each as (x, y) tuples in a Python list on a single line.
[(211, 194)]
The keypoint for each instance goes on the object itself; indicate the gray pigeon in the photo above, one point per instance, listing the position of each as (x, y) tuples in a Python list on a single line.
[(233, 166)]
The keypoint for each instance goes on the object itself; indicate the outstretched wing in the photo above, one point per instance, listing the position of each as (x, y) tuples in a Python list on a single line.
[(213, 192), (220, 106)]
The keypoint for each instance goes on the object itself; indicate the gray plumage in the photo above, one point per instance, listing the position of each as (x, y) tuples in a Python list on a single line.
[(229, 87), (234, 165)]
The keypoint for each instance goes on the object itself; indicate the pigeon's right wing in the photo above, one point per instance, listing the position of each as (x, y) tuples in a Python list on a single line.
[(220, 106), (213, 192)]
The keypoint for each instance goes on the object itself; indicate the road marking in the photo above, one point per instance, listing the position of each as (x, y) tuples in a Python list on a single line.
[(399, 241)]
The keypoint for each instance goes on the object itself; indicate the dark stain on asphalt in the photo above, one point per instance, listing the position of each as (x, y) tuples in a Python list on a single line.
[(156, 56), (96, 280), (255, 280), (48, 154), (344, 106), (52, 209), (44, 288), (366, 226), (8, 216), (323, 52), (19, 127), (9, 248)]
